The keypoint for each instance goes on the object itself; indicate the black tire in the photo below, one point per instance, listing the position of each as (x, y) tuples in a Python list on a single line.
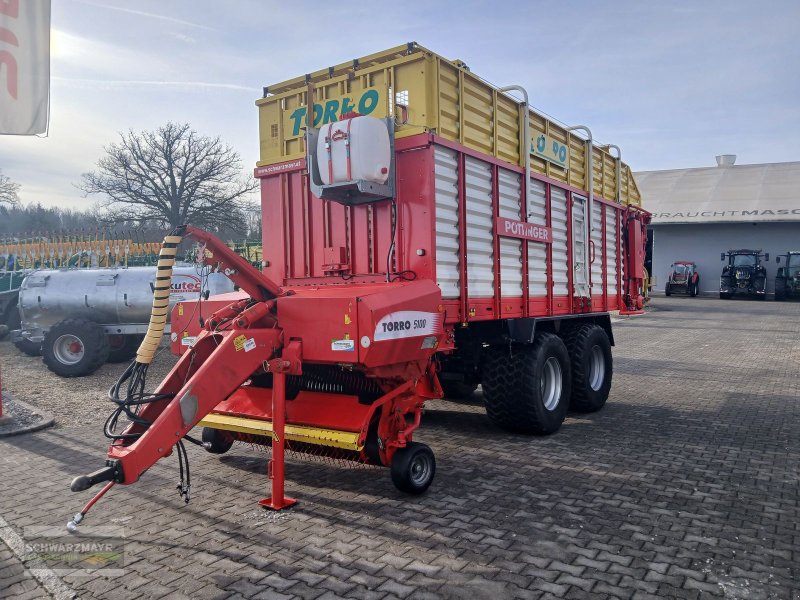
[(74, 348), (122, 348), (761, 286), (513, 386), (592, 367), (28, 347), (667, 290), (724, 296), (219, 441), (693, 288), (11, 320), (457, 390), (413, 468), (780, 293)]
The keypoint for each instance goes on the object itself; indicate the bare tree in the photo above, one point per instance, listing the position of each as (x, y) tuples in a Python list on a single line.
[(8, 191), (172, 175)]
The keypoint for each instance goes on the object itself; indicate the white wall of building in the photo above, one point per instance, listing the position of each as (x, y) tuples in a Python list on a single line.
[(702, 243)]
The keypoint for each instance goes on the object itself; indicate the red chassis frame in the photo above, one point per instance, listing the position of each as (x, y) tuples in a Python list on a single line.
[(242, 338)]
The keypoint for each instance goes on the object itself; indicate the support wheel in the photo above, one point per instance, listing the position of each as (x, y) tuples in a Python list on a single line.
[(75, 347), (122, 348), (592, 367), (220, 441), (413, 468), (527, 389)]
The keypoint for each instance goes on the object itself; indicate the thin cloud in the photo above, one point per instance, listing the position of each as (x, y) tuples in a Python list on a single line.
[(142, 13), (118, 83)]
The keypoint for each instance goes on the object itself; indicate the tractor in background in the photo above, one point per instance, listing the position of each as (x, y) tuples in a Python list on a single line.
[(683, 278), (743, 275), (787, 281)]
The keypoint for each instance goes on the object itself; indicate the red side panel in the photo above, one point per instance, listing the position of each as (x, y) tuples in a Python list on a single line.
[(303, 236)]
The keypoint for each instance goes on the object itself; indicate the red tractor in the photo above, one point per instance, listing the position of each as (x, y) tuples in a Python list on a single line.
[(683, 278), (394, 253)]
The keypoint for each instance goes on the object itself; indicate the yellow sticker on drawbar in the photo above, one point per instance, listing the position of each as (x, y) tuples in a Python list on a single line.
[(238, 342), (347, 319), (180, 310)]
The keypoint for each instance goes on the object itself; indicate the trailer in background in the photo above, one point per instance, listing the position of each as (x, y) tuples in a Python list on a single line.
[(79, 319)]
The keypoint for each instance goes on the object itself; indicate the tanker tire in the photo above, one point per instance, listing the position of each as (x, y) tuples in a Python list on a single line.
[(25, 346), (592, 367), (11, 320), (413, 468), (94, 344), (457, 390), (219, 441), (511, 386), (28, 347), (126, 351)]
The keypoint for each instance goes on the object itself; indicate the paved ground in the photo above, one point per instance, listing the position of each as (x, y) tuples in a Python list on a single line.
[(685, 485)]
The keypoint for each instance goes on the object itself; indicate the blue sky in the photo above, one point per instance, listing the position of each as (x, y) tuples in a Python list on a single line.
[(672, 83)]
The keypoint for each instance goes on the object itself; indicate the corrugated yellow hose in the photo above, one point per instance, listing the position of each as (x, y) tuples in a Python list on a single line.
[(158, 314)]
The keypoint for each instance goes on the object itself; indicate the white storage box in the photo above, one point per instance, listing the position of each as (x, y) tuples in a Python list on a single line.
[(354, 149)]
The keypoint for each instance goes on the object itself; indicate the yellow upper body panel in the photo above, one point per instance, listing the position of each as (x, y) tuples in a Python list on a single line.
[(425, 92)]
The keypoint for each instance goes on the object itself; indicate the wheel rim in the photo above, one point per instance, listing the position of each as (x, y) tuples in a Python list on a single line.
[(550, 383), (68, 349), (420, 469), (597, 368)]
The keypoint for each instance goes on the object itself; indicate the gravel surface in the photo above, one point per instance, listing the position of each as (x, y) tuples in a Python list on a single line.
[(73, 401), (21, 417)]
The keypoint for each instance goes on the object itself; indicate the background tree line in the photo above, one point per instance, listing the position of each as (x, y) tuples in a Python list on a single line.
[(150, 181)]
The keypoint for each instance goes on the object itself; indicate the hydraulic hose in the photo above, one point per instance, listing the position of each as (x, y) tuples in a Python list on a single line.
[(158, 313)]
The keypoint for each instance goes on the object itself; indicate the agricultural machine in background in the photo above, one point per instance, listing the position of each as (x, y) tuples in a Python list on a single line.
[(79, 319), (743, 275), (787, 280), (683, 278), (62, 250), (409, 238), (81, 300)]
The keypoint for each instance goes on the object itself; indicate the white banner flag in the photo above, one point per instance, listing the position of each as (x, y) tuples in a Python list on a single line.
[(24, 66)]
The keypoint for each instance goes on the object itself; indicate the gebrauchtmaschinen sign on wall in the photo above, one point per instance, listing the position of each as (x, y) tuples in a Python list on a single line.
[(733, 194), (24, 66)]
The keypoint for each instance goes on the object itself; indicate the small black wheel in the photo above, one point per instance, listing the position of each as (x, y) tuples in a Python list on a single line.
[(457, 390), (122, 348), (74, 348), (220, 441), (592, 367), (780, 294), (693, 288), (413, 468), (667, 290), (724, 296)]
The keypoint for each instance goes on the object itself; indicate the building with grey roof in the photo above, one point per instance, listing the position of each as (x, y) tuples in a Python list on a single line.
[(699, 213)]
